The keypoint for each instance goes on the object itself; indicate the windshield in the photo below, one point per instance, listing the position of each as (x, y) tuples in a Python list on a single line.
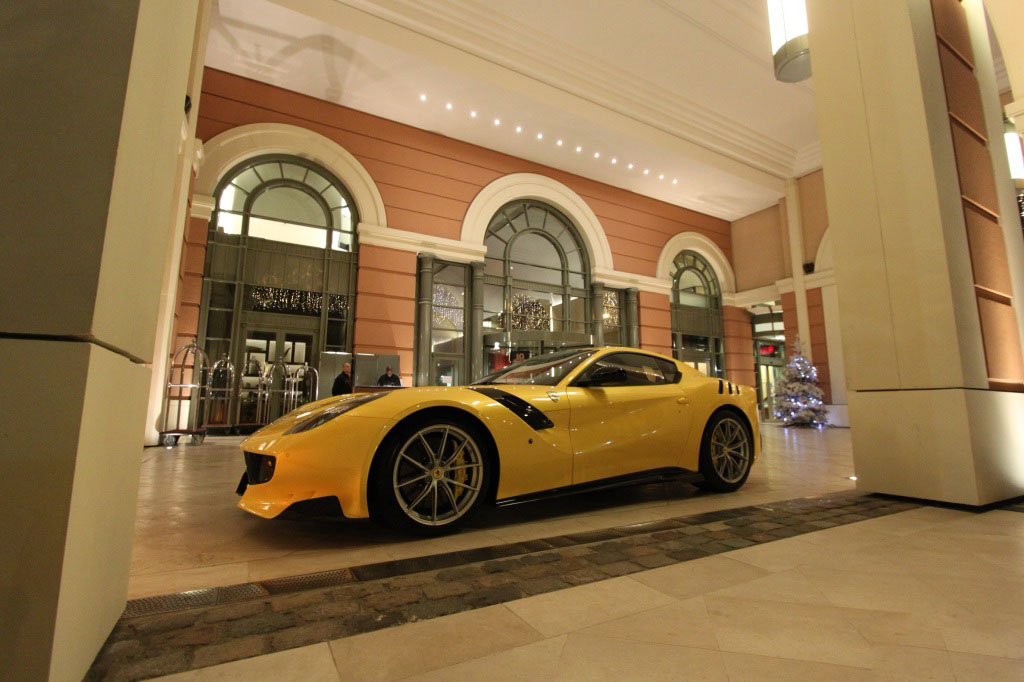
[(542, 370)]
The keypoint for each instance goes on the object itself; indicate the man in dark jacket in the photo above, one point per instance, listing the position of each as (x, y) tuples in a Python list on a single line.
[(388, 378), (343, 382)]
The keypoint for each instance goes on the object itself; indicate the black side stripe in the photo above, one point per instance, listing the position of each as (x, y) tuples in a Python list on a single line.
[(522, 409)]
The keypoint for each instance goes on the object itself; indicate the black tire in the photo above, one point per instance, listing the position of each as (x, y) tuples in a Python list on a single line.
[(430, 476), (170, 440), (726, 452), (198, 438)]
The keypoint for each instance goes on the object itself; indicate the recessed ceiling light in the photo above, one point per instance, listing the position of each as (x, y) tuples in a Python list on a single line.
[(674, 181), (559, 143), (448, 106), (630, 166), (423, 98), (852, 478), (661, 177), (646, 172), (578, 149), (472, 114), (540, 136), (497, 121), (519, 129), (615, 160), (597, 155)]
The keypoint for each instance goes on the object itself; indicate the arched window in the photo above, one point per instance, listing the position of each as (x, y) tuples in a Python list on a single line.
[(697, 314), (537, 282), (279, 280), (286, 199)]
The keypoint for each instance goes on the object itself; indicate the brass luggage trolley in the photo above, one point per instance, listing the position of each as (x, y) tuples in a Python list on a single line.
[(177, 420), (220, 384)]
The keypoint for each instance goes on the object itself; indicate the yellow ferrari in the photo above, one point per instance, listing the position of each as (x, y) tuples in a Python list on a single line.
[(424, 459)]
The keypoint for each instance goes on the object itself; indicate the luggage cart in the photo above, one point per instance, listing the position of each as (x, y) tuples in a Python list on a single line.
[(305, 386), (251, 394), (277, 390), (177, 421), (220, 382)]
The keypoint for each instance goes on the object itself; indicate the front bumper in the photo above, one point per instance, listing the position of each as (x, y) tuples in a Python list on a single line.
[(332, 460)]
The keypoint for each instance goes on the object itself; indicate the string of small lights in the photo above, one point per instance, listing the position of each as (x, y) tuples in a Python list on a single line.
[(295, 302)]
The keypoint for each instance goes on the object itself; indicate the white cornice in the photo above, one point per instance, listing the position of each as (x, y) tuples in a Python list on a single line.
[(745, 299), (526, 49), (202, 206), (444, 249), (807, 160), (815, 280), (627, 280)]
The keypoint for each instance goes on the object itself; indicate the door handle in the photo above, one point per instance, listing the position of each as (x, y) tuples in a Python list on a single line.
[(683, 400)]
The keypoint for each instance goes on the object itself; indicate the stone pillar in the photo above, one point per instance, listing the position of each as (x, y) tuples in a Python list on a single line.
[(929, 263), (632, 318), (475, 355), (739, 346), (385, 316), (597, 312), (424, 307), (795, 232), (98, 118)]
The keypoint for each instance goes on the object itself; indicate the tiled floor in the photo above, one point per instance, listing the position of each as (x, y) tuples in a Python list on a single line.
[(925, 594), (189, 534)]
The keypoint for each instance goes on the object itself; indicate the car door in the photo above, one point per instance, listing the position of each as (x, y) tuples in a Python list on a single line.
[(635, 425)]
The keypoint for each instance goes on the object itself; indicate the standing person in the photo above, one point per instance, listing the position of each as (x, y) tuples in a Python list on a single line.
[(343, 382), (388, 378)]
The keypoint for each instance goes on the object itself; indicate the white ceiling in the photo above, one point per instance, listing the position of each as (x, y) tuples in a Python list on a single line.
[(683, 88)]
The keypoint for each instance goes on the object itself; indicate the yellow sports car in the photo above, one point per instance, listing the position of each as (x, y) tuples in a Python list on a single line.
[(423, 459)]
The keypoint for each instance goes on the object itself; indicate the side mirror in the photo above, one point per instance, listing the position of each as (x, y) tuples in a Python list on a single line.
[(607, 376)]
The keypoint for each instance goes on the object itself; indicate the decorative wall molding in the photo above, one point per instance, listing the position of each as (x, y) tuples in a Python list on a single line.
[(234, 146), (694, 241), (823, 257), (202, 206), (815, 280), (750, 297), (414, 242), (542, 188), (627, 280)]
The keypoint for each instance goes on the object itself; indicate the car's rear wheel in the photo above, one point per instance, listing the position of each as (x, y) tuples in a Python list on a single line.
[(726, 453), (432, 478)]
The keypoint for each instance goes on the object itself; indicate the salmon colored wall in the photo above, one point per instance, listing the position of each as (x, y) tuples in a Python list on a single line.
[(739, 346), (979, 196), (819, 348), (655, 322), (813, 212), (427, 181), (758, 251), (386, 305)]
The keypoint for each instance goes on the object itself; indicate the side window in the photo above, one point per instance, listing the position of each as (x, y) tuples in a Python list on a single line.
[(641, 370), (669, 369)]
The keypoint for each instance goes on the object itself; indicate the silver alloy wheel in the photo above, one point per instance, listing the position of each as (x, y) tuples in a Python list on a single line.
[(730, 449), (438, 474)]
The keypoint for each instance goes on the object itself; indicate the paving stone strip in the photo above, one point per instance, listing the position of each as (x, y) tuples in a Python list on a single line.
[(200, 628)]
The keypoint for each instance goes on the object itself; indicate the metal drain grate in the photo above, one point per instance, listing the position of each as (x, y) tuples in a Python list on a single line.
[(310, 581), (165, 603)]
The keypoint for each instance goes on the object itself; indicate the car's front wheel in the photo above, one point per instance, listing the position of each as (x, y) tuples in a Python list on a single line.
[(432, 477), (726, 453)]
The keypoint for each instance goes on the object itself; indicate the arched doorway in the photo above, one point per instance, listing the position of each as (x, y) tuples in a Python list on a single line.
[(279, 277), (536, 284), (697, 328)]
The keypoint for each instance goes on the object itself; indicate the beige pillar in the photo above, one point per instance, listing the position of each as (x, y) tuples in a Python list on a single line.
[(796, 258), (931, 339), (92, 129)]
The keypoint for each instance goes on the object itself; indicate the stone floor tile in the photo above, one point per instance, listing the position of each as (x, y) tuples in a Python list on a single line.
[(593, 658), (975, 668), (555, 613), (683, 624), (693, 578), (537, 661), (799, 631), (416, 648), (753, 668)]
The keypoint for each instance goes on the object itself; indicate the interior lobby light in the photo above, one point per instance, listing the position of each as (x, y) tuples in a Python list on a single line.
[(423, 98), (787, 21), (497, 121), (630, 166), (597, 155), (519, 129), (1013, 151), (559, 143), (615, 160), (578, 149), (448, 106), (472, 114)]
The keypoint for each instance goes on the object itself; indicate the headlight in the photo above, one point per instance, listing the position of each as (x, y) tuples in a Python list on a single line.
[(332, 412)]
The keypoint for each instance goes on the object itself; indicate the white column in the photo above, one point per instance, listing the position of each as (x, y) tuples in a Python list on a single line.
[(794, 225)]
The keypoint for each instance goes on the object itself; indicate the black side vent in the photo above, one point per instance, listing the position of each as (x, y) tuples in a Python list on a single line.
[(522, 409), (720, 387)]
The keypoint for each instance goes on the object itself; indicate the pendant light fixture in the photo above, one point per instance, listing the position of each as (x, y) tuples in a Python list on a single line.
[(787, 21)]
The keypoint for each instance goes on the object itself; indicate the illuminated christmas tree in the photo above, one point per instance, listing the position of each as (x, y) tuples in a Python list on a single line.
[(798, 399)]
